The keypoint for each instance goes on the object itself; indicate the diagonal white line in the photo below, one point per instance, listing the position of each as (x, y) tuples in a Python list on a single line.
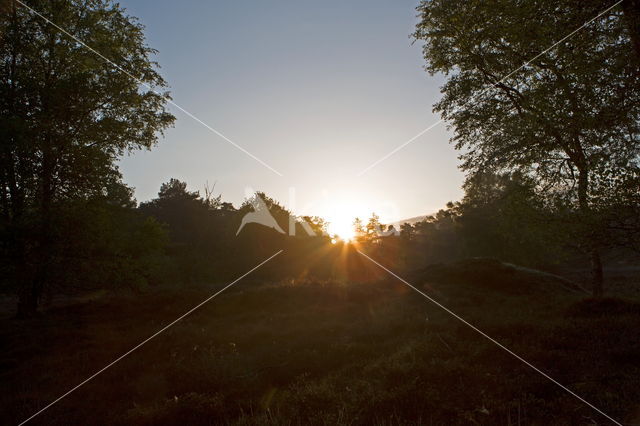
[(563, 39), (151, 337), (458, 317), (400, 147), (119, 68)]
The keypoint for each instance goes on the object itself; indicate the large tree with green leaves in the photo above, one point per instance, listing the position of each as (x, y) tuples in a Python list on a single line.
[(567, 117), (66, 115)]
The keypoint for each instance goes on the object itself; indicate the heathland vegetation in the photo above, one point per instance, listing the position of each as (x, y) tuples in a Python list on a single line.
[(548, 226)]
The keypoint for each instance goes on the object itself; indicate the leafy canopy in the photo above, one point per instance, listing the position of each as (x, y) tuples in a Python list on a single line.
[(569, 117)]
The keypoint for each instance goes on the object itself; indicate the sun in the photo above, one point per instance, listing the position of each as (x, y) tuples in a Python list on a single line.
[(341, 225), (340, 210)]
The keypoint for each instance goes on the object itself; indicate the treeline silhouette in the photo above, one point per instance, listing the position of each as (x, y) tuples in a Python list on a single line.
[(551, 155), (183, 238)]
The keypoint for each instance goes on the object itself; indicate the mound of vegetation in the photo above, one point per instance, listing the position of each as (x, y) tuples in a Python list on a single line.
[(604, 307), (496, 275)]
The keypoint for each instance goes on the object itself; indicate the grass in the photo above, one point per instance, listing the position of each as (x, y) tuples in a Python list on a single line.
[(326, 353)]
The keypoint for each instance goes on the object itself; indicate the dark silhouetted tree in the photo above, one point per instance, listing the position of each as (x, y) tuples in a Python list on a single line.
[(569, 117), (66, 115)]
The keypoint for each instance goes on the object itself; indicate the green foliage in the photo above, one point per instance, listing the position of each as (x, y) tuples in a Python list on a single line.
[(66, 115), (102, 245), (197, 229), (566, 116), (574, 109), (500, 216), (358, 229), (205, 245)]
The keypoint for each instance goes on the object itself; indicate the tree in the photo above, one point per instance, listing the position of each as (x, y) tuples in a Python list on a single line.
[(374, 228), (182, 210), (407, 231), (104, 242), (358, 229), (66, 115), (317, 225), (631, 10), (194, 232), (260, 200), (501, 216), (569, 117)]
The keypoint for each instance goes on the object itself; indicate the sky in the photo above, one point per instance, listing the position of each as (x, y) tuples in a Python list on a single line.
[(316, 90)]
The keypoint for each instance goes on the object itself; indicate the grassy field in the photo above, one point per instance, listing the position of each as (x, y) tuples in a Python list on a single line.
[(328, 353)]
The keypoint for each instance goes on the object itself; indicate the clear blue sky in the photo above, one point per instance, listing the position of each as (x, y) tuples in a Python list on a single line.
[(319, 90)]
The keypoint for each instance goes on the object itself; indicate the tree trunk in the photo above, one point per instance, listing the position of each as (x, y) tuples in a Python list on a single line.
[(597, 275), (631, 10), (36, 280), (33, 273), (44, 251), (14, 199)]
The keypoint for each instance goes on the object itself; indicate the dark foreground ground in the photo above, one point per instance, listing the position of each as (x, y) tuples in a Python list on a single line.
[(329, 353)]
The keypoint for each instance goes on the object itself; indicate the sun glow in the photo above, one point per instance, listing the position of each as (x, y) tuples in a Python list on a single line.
[(340, 218), (340, 208), (342, 227)]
